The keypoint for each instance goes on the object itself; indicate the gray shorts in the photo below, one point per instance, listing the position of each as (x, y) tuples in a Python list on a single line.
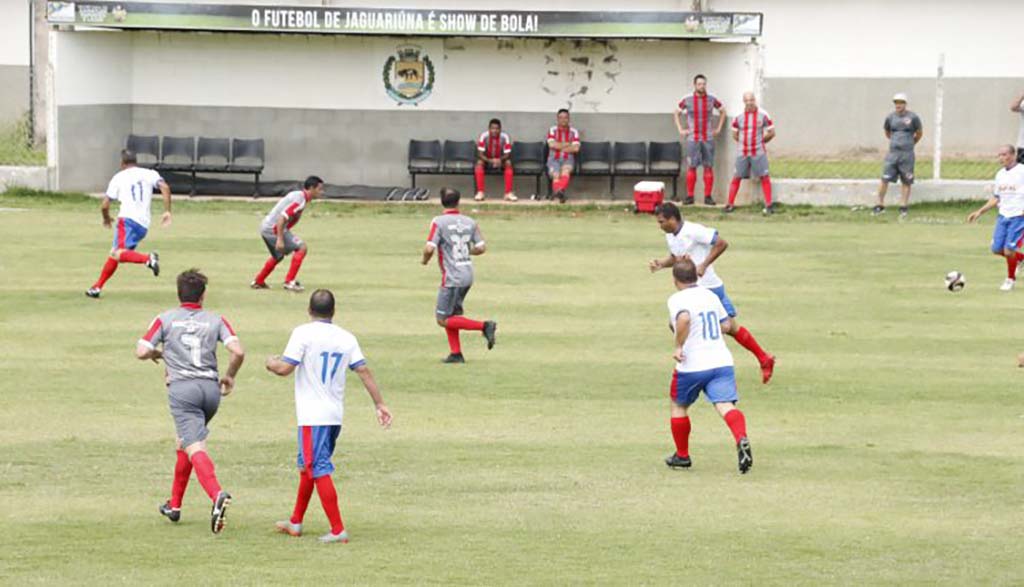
[(291, 243), (700, 153), (747, 166), (449, 301), (899, 165), (193, 404), (555, 165)]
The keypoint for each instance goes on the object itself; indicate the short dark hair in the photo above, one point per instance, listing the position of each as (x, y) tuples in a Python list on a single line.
[(321, 303), (494, 121), (699, 76), (561, 110), (311, 182), (128, 157), (684, 271), (669, 210), (191, 286), (450, 197)]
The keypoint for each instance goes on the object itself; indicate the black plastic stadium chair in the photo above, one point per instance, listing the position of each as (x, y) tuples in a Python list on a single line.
[(595, 158), (629, 159), (666, 159), (247, 156), (146, 149), (424, 158), (528, 159), (459, 157), (213, 155), (177, 154)]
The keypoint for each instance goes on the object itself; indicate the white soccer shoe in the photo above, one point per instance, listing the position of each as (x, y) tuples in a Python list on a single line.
[(329, 538), (1008, 284), (480, 197), (293, 286), (511, 197)]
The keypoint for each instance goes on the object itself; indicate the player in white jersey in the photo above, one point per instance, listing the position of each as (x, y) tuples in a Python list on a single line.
[(1008, 196), (703, 364), (133, 187), (319, 353), (703, 245)]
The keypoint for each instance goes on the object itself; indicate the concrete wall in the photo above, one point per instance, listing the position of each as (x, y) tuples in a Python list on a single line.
[(14, 60)]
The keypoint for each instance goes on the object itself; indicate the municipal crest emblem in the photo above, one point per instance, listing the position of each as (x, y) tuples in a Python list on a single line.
[(408, 75)]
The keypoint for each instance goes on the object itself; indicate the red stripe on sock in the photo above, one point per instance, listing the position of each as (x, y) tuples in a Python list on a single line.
[(329, 500)]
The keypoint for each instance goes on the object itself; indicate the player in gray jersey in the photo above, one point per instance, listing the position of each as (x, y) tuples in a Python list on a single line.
[(456, 238), (276, 231), (186, 339), (904, 130)]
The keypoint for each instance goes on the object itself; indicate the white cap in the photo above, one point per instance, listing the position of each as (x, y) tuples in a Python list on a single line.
[(899, 97)]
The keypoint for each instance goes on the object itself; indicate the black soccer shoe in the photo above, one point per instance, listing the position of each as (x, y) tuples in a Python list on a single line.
[(170, 513), (454, 358), (490, 333), (729, 209), (904, 210), (154, 263), (877, 210), (560, 194), (709, 201), (219, 511), (93, 292), (677, 462), (745, 457), (768, 210), (688, 201)]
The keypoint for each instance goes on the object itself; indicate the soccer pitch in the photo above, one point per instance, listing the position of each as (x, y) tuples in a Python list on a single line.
[(887, 448)]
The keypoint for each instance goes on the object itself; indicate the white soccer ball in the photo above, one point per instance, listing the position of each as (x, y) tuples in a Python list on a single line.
[(955, 281)]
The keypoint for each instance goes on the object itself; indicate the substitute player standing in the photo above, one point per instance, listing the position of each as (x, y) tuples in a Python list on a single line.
[(904, 130), (563, 145), (703, 364), (494, 151), (189, 335), (456, 238), (1008, 196), (698, 139), (276, 231), (752, 130), (133, 187), (703, 246), (319, 353)]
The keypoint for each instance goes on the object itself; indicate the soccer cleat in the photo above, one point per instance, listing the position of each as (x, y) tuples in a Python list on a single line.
[(259, 285), (904, 210), (768, 210), (490, 331), (454, 358), (330, 537), (511, 197), (480, 197), (688, 201), (294, 285), (560, 194), (154, 263), (286, 527), (768, 369), (744, 455), (172, 514), (219, 511), (729, 209), (93, 292), (677, 462), (709, 201), (877, 210), (1008, 284)]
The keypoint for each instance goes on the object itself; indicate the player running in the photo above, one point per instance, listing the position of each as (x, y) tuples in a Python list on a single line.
[(1008, 196), (133, 187), (703, 364), (698, 138), (752, 129), (563, 146), (189, 335), (703, 246), (456, 238), (494, 151), (276, 231), (319, 353)]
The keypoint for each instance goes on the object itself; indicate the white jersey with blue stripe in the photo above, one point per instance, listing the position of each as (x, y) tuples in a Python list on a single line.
[(133, 188), (696, 241), (704, 348), (1009, 188), (321, 352)]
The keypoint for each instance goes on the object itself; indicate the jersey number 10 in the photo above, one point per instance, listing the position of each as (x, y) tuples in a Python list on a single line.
[(710, 327), (326, 360)]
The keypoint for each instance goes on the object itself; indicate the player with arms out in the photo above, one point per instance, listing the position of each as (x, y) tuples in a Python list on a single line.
[(703, 246), (456, 238), (703, 364), (133, 187), (319, 353), (698, 138), (276, 231), (1008, 196), (189, 336), (752, 130)]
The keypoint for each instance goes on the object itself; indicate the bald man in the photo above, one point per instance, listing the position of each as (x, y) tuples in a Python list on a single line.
[(751, 130)]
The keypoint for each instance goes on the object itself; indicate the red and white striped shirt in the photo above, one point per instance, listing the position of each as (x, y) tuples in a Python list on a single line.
[(751, 127), (494, 147), (698, 109), (562, 135)]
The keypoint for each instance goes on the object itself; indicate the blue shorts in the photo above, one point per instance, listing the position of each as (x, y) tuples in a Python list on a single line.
[(128, 234), (718, 385), (726, 302), (1007, 233), (316, 446)]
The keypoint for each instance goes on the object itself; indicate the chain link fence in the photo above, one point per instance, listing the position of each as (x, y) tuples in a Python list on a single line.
[(16, 144)]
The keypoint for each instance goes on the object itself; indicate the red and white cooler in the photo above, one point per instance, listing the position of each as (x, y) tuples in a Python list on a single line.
[(647, 195)]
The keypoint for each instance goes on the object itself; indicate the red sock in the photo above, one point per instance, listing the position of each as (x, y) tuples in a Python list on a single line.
[(709, 181), (268, 268), (1011, 266), (737, 424), (302, 500), (182, 470), (766, 189), (478, 171), (691, 181), (204, 472), (453, 339), (463, 323), (734, 188), (293, 269), (329, 499), (509, 174), (745, 338), (562, 183), (108, 270), (133, 257), (681, 435)]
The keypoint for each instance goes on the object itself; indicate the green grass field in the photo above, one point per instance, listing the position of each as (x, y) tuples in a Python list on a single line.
[(887, 449), (854, 168)]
